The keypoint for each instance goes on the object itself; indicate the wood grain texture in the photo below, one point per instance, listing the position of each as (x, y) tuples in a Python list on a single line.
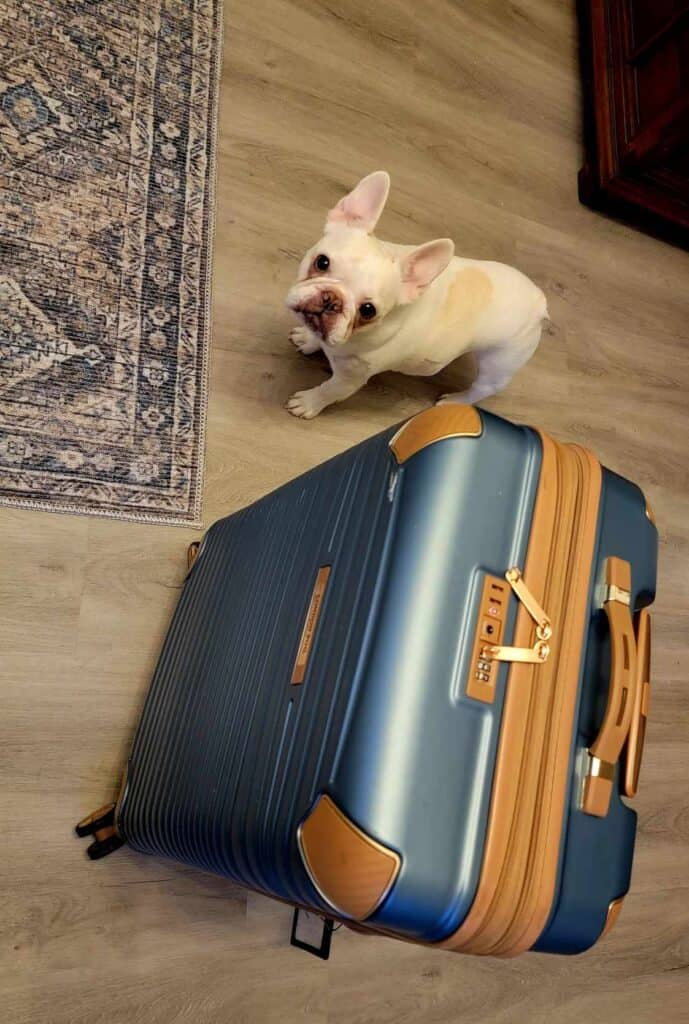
[(636, 105), (474, 109)]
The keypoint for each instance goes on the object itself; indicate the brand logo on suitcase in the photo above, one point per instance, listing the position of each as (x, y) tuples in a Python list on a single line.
[(309, 630)]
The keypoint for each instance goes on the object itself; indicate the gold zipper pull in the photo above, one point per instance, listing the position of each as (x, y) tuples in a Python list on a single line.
[(537, 654), (544, 629), (530, 655)]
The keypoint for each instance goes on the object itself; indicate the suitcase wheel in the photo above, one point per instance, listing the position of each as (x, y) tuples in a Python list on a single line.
[(192, 552), (107, 841), (101, 818), (100, 825)]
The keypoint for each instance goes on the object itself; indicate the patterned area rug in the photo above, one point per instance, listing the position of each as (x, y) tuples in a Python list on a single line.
[(108, 112)]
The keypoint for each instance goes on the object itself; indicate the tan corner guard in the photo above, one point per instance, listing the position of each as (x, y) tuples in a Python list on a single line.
[(435, 424), (606, 749), (351, 871), (614, 909)]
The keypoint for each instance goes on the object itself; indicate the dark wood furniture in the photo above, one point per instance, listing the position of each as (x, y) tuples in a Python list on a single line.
[(635, 65)]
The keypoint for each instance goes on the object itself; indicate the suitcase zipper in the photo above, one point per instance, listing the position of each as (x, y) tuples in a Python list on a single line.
[(512, 907), (557, 591), (495, 945)]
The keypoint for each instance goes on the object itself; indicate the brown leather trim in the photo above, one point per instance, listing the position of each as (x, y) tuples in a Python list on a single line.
[(597, 791), (613, 734), (565, 672), (650, 514), (614, 728), (614, 910), (433, 425), (513, 736), (517, 882), (618, 573), (310, 622), (350, 870)]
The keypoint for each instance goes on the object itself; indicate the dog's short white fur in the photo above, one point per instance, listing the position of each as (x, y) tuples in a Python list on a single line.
[(373, 306)]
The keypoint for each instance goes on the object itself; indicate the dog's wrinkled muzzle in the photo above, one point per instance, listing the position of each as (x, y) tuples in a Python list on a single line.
[(325, 307)]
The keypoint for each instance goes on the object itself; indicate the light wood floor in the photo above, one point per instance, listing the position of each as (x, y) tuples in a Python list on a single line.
[(474, 108)]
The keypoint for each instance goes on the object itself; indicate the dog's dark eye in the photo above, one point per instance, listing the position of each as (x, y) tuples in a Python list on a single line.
[(367, 311), (321, 262)]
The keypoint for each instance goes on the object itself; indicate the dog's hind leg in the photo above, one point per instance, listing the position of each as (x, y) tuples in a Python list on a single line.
[(496, 367)]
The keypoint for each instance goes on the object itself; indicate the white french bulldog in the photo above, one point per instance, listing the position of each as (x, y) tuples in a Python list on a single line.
[(373, 306)]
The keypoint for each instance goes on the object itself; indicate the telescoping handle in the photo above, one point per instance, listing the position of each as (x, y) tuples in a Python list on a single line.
[(627, 698)]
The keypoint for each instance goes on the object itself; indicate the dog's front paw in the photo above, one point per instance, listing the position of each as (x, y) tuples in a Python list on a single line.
[(303, 340), (305, 404)]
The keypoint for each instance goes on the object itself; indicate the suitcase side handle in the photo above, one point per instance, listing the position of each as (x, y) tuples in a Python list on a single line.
[(637, 730), (606, 749)]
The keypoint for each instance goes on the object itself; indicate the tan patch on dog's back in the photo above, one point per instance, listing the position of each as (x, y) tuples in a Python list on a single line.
[(467, 296)]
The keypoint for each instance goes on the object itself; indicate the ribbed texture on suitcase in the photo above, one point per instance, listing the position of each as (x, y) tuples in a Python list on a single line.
[(228, 754)]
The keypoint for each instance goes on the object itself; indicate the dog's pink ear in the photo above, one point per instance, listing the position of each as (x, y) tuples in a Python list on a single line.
[(364, 204), (422, 265)]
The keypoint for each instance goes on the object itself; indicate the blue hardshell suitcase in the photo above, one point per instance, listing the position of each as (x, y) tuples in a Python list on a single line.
[(408, 690)]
